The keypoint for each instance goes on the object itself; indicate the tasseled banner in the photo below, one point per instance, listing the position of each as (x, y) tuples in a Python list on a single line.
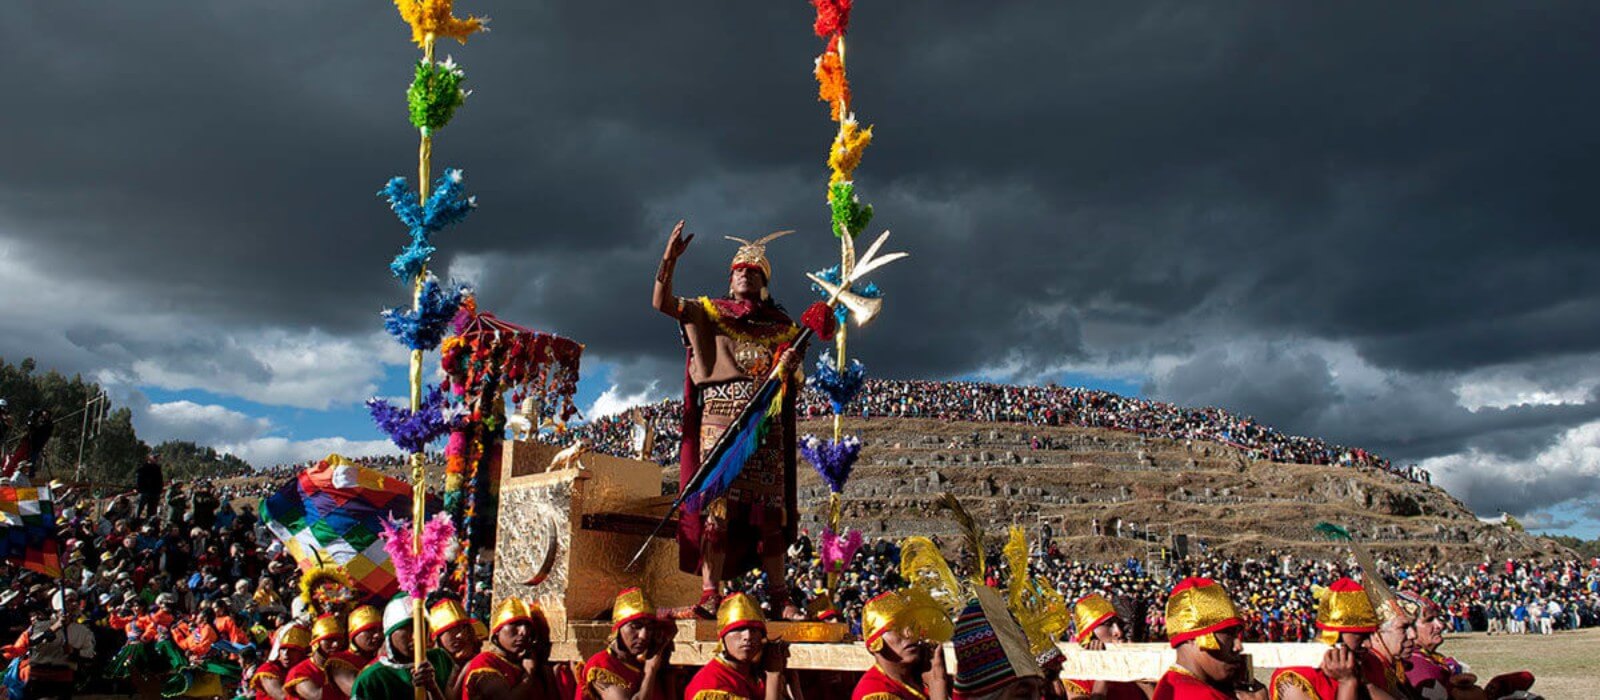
[(419, 572), (820, 319), (434, 17), (840, 387), (435, 93), (833, 459), (838, 551), (446, 205), (412, 431), (741, 446), (423, 328)]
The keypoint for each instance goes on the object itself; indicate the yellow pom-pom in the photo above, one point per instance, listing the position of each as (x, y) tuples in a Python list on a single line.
[(434, 17), (847, 148)]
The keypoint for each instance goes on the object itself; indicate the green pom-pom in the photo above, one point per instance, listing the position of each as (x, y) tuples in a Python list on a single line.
[(435, 94), (849, 214)]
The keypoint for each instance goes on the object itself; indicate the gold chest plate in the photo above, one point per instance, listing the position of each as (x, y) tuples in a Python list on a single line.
[(753, 358)]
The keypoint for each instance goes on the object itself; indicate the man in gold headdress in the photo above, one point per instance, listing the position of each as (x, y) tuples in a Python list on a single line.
[(1097, 624), (508, 669), (634, 666), (289, 646), (330, 670), (1346, 620), (905, 631), (457, 634), (733, 343), (1204, 626), (747, 666), (366, 633)]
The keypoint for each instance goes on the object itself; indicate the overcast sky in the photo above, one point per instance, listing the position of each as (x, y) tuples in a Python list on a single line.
[(1370, 222)]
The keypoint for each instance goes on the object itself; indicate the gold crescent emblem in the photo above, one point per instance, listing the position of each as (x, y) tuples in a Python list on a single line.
[(754, 359)]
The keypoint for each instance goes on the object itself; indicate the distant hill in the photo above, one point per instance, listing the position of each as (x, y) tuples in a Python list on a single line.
[(1156, 487)]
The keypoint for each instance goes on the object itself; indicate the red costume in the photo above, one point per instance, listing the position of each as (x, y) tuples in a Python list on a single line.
[(719, 680), (270, 669), (1179, 684), (877, 685), (308, 670), (605, 670), (1317, 684), (486, 665), (1115, 690)]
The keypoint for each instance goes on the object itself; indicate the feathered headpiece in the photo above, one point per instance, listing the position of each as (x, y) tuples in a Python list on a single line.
[(327, 589), (969, 531), (754, 253)]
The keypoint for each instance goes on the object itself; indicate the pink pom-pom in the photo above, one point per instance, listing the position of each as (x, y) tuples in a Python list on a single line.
[(838, 552), (419, 573)]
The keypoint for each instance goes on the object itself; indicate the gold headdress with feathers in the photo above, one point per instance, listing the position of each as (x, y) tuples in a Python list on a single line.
[(1041, 611), (327, 589), (924, 568), (754, 253), (1383, 598)]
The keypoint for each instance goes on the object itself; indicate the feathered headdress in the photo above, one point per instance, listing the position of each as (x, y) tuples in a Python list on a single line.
[(327, 589), (969, 531), (754, 253), (923, 566)]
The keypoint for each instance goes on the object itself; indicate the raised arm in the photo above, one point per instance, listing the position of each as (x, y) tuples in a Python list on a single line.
[(662, 298)]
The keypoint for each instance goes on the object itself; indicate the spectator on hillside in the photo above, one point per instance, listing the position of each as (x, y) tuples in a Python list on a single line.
[(149, 482)]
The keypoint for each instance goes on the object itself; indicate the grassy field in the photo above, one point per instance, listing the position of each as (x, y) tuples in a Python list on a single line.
[(1564, 663)]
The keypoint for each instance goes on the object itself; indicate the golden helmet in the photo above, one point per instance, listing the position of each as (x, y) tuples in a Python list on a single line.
[(631, 605), (1090, 612), (1197, 608), (753, 254), (446, 614), (294, 636), (364, 618), (737, 612), (512, 610), (1345, 607), (910, 609), (327, 627)]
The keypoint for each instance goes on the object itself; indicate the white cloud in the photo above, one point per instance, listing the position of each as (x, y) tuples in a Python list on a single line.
[(201, 423), (612, 401), (271, 451), (1562, 382), (1566, 470)]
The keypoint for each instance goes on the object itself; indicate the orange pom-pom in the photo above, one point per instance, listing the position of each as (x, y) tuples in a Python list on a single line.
[(832, 87), (434, 17)]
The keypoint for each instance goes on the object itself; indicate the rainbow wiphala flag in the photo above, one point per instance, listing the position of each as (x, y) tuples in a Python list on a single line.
[(28, 532)]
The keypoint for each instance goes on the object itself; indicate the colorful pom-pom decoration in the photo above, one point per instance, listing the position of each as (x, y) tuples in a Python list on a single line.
[(839, 549), (409, 430), (445, 206), (435, 18), (833, 459), (821, 320), (435, 93), (833, 17), (849, 215), (832, 87), (420, 570), (840, 387), (423, 327), (848, 146)]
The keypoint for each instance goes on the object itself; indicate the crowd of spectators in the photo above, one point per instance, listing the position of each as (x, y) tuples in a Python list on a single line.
[(1275, 593), (1029, 405), (199, 552)]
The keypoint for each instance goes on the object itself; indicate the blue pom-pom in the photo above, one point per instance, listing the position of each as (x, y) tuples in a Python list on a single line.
[(423, 328), (840, 387), (446, 205)]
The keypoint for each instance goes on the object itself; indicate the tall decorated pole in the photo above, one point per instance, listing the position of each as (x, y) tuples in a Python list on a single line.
[(432, 98), (838, 377)]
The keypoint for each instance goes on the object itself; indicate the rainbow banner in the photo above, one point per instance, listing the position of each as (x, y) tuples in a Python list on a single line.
[(28, 533)]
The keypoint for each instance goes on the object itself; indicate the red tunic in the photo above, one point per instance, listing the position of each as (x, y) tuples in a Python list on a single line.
[(719, 680), (877, 685), (603, 669), (1115, 690), (487, 664), (270, 669), (1179, 684), (309, 671), (1318, 684)]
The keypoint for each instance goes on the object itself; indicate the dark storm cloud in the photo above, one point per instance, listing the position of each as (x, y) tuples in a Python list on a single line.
[(1262, 191)]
